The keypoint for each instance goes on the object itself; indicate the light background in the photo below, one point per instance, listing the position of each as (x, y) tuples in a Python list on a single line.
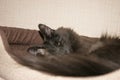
[(86, 17)]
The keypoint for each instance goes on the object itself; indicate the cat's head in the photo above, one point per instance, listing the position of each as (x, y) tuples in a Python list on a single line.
[(54, 41)]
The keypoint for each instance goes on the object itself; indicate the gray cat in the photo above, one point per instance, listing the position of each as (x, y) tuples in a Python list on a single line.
[(66, 53)]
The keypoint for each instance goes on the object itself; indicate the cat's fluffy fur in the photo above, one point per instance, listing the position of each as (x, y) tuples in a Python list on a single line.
[(66, 53)]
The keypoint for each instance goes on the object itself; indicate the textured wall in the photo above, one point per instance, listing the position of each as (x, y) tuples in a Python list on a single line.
[(87, 17)]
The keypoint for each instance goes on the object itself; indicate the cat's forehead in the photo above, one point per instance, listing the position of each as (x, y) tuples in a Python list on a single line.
[(62, 31)]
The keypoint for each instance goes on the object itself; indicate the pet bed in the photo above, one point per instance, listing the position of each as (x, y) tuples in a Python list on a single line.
[(16, 42)]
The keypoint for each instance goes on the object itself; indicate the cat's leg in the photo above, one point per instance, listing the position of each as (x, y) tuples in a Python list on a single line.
[(37, 50)]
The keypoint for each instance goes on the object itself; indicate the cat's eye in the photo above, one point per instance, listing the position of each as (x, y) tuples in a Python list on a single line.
[(58, 43)]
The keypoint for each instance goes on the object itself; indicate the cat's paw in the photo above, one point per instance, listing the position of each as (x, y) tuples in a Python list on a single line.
[(36, 51)]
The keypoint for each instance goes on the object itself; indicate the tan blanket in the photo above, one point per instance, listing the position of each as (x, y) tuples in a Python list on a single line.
[(15, 41)]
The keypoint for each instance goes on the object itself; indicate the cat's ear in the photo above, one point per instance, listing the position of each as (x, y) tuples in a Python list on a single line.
[(45, 31)]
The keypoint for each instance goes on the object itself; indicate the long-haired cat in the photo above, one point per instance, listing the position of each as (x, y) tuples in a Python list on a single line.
[(65, 53)]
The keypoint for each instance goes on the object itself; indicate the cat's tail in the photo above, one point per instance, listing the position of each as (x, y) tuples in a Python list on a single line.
[(68, 65)]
